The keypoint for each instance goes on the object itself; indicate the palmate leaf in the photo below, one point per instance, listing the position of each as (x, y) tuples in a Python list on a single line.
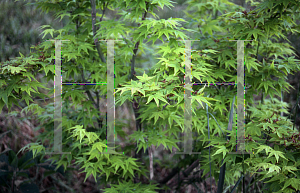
[(144, 78), (133, 87), (271, 167), (71, 56), (89, 171), (92, 137), (85, 47), (250, 63), (176, 67), (30, 86), (29, 76), (168, 143), (138, 136), (117, 163), (253, 129), (35, 108), (210, 27), (221, 107), (266, 85), (76, 95), (62, 14), (99, 146), (172, 116), (294, 182), (162, 3), (130, 164), (158, 96), (280, 177), (166, 50), (78, 132), (220, 73), (255, 33), (277, 154), (166, 32), (48, 31), (200, 99), (94, 153), (130, 187), (157, 115), (122, 98), (126, 51)]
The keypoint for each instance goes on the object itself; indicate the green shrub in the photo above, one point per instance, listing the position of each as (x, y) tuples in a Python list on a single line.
[(157, 96)]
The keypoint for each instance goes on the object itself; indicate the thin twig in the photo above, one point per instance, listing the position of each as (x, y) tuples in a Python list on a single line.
[(103, 11), (177, 170), (136, 47), (87, 90), (100, 121), (62, 184), (93, 5)]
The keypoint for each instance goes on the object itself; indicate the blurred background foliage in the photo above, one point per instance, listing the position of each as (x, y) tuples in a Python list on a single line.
[(19, 27)]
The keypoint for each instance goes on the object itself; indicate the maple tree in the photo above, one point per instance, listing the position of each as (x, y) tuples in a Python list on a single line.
[(157, 96)]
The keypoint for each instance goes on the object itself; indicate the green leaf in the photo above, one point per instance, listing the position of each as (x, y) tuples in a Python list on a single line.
[(27, 98), (158, 96), (162, 3), (172, 116), (157, 115), (4, 97), (144, 78), (201, 99), (85, 46), (291, 181), (48, 31), (78, 132), (143, 5), (99, 146), (277, 154), (30, 85), (289, 169)]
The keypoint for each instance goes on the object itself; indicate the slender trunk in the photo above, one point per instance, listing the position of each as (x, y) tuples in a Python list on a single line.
[(100, 53), (135, 103)]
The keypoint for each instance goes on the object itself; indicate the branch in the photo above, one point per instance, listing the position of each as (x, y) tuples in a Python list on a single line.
[(93, 5), (135, 107), (87, 91), (98, 108), (170, 176), (166, 104), (136, 47), (97, 105), (177, 170), (103, 11), (62, 184)]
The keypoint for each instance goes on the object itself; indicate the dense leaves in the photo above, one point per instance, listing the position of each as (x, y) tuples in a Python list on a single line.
[(159, 93)]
